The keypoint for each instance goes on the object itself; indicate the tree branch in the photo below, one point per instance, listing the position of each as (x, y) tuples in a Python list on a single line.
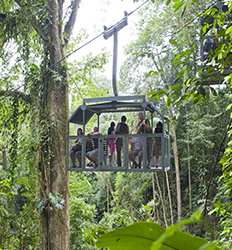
[(72, 19), (14, 93)]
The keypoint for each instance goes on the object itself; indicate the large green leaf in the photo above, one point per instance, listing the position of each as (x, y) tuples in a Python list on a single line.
[(150, 236), (137, 236)]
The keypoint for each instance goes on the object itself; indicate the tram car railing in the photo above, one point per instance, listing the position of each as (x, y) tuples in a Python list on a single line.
[(126, 153)]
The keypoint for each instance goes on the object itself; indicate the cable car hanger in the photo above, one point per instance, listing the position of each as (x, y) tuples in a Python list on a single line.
[(153, 147), (113, 31)]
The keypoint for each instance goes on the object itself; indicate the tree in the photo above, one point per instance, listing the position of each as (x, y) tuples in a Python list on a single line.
[(50, 93)]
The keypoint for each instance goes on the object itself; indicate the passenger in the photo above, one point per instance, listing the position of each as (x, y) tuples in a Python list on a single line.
[(157, 144), (148, 130), (136, 142), (89, 148), (76, 148), (135, 151), (159, 128), (95, 135), (143, 127), (111, 142), (121, 129), (92, 155), (141, 123)]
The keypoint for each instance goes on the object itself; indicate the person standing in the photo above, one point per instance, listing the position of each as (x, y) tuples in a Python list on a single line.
[(140, 128), (95, 134), (111, 142), (148, 131), (76, 149), (121, 129), (157, 147)]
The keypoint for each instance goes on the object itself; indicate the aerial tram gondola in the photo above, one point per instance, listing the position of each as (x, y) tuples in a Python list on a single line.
[(147, 159), (121, 104)]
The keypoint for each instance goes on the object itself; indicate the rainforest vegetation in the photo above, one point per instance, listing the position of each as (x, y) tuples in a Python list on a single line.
[(181, 59)]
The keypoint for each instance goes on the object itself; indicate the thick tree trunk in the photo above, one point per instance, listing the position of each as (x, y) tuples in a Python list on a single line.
[(54, 140), (177, 168)]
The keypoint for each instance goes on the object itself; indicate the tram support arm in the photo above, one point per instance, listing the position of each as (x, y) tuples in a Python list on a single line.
[(113, 31), (115, 59)]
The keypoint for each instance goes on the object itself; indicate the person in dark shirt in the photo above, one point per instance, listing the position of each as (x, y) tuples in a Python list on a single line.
[(121, 129), (157, 144), (159, 128)]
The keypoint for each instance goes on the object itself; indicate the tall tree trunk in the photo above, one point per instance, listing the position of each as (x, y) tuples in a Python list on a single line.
[(177, 168), (155, 215), (189, 178), (54, 140)]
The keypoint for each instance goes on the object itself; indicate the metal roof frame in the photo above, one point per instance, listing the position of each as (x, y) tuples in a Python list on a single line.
[(92, 106)]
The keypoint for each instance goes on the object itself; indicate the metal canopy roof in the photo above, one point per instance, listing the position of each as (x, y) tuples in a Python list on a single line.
[(97, 106)]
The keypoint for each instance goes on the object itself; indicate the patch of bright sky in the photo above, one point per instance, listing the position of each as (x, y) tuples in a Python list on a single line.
[(93, 15)]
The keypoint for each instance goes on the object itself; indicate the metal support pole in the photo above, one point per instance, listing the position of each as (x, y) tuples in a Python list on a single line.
[(83, 146), (83, 108), (83, 151), (115, 59), (83, 120), (152, 123), (162, 146), (108, 32), (98, 121)]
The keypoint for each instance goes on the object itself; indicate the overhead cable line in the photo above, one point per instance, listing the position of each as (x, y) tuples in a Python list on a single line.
[(97, 36), (75, 50), (84, 44), (139, 7), (100, 34)]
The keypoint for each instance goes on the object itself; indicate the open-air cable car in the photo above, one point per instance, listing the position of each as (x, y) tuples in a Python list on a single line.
[(140, 152), (155, 147)]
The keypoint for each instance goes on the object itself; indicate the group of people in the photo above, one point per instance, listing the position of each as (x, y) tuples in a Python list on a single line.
[(113, 145)]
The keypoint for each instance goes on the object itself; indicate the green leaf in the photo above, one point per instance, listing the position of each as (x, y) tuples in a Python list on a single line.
[(151, 236), (173, 239), (229, 30), (152, 73), (168, 101), (177, 5), (137, 236), (208, 246), (173, 42)]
